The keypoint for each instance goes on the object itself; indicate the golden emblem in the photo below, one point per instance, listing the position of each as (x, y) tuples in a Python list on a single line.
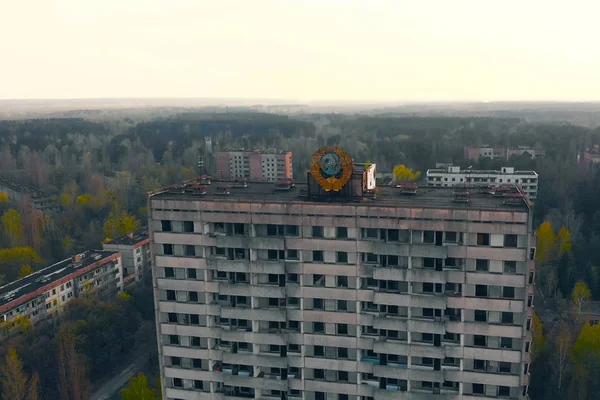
[(332, 168)]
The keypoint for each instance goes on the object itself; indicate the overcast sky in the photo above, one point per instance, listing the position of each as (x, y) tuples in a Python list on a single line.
[(301, 49)]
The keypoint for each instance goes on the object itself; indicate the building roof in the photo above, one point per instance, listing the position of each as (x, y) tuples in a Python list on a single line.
[(49, 277), (258, 151), (21, 187), (132, 238), (426, 197), (479, 172)]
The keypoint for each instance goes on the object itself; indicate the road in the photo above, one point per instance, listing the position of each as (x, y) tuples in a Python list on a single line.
[(106, 391)]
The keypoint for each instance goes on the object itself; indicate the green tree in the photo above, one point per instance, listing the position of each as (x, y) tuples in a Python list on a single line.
[(539, 340), (16, 384), (403, 174), (14, 258), (13, 226), (545, 242), (3, 198), (120, 223), (581, 294), (25, 271), (563, 240), (138, 389)]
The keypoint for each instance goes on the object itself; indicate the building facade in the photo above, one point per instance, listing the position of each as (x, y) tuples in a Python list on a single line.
[(501, 153), (18, 192), (135, 254), (279, 295), (44, 293), (269, 166), (452, 176)]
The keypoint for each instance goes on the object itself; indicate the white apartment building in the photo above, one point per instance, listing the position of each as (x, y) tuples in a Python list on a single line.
[(270, 294), (135, 253), (452, 176)]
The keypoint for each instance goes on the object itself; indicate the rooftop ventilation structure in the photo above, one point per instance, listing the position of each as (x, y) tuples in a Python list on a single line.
[(284, 184), (223, 190), (461, 194), (407, 188)]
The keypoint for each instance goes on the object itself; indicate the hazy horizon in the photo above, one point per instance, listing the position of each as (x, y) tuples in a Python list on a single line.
[(310, 51)]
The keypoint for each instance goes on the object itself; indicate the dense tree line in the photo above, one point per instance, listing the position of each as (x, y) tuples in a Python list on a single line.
[(101, 170)]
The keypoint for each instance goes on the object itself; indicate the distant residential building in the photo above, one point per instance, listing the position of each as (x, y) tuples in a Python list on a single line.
[(18, 191), (135, 254), (452, 176), (44, 293), (591, 155), (255, 165), (501, 153)]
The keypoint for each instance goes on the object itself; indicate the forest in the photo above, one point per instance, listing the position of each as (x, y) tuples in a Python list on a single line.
[(100, 169)]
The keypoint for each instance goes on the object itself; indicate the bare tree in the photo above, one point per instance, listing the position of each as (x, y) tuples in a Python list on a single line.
[(74, 383), (16, 384), (560, 360)]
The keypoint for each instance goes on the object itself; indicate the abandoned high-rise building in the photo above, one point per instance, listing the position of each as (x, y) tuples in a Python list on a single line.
[(336, 289)]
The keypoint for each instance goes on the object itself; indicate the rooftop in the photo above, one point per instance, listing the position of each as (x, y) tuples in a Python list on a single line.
[(259, 151), (46, 276), (479, 171), (426, 196), (131, 238), (21, 187)]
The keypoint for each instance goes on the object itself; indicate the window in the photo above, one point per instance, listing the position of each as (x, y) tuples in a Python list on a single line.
[(507, 318), (342, 257), (176, 361), (198, 385), (166, 225), (292, 255), (193, 297), (510, 267), (527, 345), (196, 363), (370, 233), (291, 230), (342, 329), (531, 277), (172, 317), (173, 339), (529, 301), (272, 230), (318, 304), (319, 396), (168, 249), (483, 239), (427, 287), (510, 241), (343, 396), (528, 324), (342, 376), (238, 229), (526, 369), (177, 382), (478, 388), (171, 295), (428, 312), (317, 256), (190, 250), (342, 305), (319, 351), (482, 265), (506, 343), (191, 273), (481, 290), (273, 302), (317, 231), (341, 233), (342, 281), (503, 391), (188, 226), (428, 236), (370, 258), (479, 340), (451, 237), (319, 374), (195, 340), (508, 292), (169, 272), (318, 280), (194, 319), (274, 254), (342, 352), (318, 327), (504, 367), (480, 316)]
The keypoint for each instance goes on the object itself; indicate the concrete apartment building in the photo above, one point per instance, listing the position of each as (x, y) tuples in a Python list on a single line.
[(501, 153), (313, 294), (18, 191), (44, 293), (268, 165), (135, 254), (452, 176)]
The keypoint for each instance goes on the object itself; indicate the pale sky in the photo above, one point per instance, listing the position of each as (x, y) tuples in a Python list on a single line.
[(394, 50)]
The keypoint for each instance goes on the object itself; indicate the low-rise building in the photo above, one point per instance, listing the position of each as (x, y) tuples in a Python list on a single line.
[(501, 153), (135, 254), (263, 165), (44, 293), (18, 191), (453, 176), (591, 155)]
